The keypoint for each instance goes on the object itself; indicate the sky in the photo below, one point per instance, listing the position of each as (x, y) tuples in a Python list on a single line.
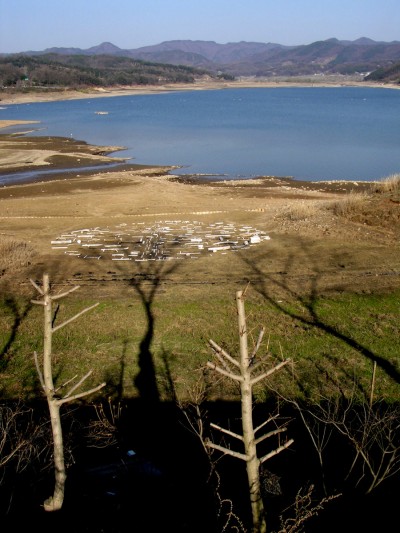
[(40, 24)]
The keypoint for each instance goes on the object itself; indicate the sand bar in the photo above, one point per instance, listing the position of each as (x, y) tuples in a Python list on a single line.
[(9, 123), (19, 153)]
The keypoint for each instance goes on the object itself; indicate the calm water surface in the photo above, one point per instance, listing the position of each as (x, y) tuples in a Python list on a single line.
[(306, 133)]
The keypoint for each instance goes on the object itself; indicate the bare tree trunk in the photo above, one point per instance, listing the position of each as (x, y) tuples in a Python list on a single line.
[(252, 462), (247, 379), (55, 502)]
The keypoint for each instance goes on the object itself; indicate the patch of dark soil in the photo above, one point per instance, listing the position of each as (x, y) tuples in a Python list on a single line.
[(272, 182)]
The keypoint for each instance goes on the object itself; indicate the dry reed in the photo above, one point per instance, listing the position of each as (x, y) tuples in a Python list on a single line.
[(351, 204), (14, 253), (390, 184)]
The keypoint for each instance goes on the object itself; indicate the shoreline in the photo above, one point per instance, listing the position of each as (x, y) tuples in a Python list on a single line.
[(201, 85), (17, 157), (21, 155), (50, 159)]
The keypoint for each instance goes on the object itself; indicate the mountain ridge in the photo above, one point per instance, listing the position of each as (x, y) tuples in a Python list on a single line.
[(247, 58)]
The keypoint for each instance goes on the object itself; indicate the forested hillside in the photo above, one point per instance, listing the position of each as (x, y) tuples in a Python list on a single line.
[(54, 70), (386, 75)]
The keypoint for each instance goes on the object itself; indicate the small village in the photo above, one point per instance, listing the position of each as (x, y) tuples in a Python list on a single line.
[(161, 241)]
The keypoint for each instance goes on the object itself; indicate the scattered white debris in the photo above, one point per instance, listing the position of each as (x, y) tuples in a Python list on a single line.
[(62, 241), (164, 240)]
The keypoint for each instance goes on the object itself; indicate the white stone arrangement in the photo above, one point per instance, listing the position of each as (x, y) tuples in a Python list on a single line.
[(160, 241)]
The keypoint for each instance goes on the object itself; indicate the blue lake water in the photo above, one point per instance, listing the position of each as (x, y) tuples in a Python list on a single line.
[(310, 133)]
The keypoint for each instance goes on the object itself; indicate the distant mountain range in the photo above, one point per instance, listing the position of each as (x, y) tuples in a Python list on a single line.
[(257, 59)]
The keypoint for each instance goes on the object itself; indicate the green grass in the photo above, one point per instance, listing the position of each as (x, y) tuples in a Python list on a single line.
[(332, 342)]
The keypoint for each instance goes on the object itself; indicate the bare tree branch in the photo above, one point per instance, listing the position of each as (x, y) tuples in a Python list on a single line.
[(38, 370), (258, 344), (270, 419), (276, 451), (270, 434), (236, 377), (269, 372), (37, 287), (66, 383), (227, 431), (63, 294), (227, 451), (246, 392), (74, 317), (81, 395), (77, 384), (218, 350)]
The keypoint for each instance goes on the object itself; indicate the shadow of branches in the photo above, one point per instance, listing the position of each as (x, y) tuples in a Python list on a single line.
[(18, 311), (306, 294)]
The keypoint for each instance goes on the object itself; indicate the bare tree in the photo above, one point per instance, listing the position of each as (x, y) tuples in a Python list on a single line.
[(302, 510), (371, 427), (196, 417), (23, 441), (19, 436), (374, 433), (103, 431), (248, 373), (45, 372)]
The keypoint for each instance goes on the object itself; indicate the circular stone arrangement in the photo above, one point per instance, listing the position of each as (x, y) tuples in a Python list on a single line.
[(160, 241)]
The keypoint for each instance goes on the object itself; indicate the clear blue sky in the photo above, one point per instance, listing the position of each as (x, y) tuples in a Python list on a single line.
[(39, 24)]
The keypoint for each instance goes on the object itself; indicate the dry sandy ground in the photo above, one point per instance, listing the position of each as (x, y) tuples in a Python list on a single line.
[(309, 245)]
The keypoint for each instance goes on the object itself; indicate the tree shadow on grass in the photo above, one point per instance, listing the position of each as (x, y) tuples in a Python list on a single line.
[(18, 312), (268, 285), (147, 283)]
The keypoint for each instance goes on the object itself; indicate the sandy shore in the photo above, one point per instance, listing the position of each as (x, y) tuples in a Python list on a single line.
[(9, 123), (7, 97), (19, 153)]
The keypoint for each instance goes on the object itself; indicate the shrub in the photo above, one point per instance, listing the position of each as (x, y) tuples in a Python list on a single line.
[(14, 254), (352, 204), (298, 211), (390, 184)]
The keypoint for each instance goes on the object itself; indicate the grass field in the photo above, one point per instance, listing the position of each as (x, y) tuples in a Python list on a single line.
[(332, 342)]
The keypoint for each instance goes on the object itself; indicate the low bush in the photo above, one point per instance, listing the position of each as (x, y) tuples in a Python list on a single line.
[(390, 184), (351, 204), (298, 211), (14, 253)]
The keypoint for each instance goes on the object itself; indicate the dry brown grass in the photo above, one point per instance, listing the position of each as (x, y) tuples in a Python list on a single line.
[(351, 204), (390, 184), (298, 211), (14, 254)]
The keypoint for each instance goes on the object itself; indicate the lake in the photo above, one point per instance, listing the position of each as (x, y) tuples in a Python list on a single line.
[(309, 133)]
